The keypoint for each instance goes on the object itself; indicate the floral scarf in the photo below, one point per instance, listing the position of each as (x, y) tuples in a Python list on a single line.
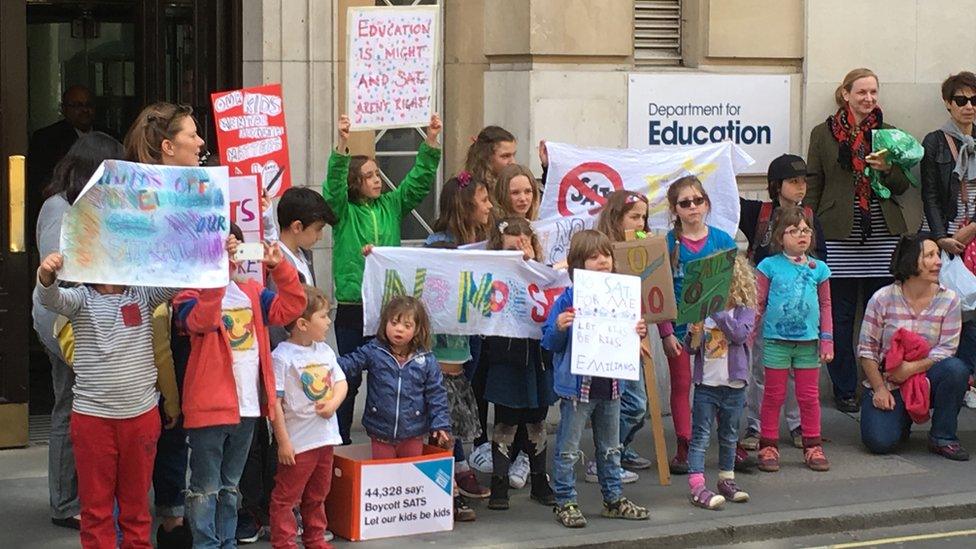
[(854, 141)]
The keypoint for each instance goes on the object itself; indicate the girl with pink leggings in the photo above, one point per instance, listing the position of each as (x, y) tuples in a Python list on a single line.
[(794, 303), (689, 239)]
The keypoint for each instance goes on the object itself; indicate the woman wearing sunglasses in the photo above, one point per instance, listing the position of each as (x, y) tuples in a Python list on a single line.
[(948, 174), (861, 228)]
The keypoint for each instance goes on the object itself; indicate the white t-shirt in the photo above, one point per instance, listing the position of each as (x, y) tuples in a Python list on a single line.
[(238, 318), (303, 376), (715, 369)]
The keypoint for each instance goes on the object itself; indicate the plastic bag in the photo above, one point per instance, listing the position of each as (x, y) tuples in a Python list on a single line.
[(904, 151), (958, 278)]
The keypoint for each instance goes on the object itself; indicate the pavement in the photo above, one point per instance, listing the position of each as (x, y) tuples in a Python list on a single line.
[(860, 492)]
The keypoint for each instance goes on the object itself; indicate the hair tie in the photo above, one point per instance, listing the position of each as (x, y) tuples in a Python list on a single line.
[(502, 226), (474, 139), (464, 178)]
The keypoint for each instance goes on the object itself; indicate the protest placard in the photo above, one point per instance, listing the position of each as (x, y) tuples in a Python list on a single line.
[(580, 178), (391, 58), (245, 211), (149, 225), (466, 292), (251, 134), (605, 341), (648, 259), (705, 288)]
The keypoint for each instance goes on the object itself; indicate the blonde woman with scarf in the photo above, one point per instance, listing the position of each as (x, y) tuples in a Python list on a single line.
[(861, 229)]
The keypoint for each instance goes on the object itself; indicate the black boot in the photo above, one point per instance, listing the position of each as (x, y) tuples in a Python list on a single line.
[(499, 493), (541, 491)]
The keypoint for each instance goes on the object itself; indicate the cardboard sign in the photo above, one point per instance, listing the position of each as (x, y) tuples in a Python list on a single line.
[(706, 286), (466, 292), (251, 134), (148, 225), (391, 57), (605, 341), (380, 498), (245, 211), (648, 259)]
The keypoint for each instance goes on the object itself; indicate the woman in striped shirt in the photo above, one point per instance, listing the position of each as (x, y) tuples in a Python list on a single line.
[(916, 303), (861, 226)]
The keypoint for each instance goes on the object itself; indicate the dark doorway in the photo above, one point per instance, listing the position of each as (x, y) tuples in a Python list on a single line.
[(129, 53)]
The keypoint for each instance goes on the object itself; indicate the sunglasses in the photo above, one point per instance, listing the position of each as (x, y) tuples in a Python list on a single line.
[(961, 100), (686, 203)]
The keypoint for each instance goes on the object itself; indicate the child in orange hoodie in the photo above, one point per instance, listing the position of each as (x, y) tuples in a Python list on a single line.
[(229, 384)]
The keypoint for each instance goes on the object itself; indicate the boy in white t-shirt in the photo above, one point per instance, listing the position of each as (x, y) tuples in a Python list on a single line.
[(310, 386)]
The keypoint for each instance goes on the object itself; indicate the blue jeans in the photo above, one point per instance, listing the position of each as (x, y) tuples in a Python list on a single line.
[(605, 418), (882, 430), (172, 452), (844, 304), (633, 409), (726, 403), (217, 456), (967, 345), (62, 481)]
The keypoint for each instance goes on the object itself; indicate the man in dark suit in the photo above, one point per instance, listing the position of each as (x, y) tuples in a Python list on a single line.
[(49, 144)]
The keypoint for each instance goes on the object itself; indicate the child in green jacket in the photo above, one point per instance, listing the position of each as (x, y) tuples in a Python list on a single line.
[(367, 215)]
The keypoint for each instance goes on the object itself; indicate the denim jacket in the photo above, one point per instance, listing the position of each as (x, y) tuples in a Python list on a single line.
[(402, 402)]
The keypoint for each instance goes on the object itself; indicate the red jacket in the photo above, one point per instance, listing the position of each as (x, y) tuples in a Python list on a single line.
[(209, 389), (907, 345)]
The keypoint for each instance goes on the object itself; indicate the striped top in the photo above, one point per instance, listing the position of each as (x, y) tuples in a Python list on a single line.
[(850, 258), (115, 373), (954, 224), (888, 310)]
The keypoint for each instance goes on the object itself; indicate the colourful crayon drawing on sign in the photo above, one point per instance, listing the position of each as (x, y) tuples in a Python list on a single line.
[(148, 225), (251, 134), (392, 61), (466, 292)]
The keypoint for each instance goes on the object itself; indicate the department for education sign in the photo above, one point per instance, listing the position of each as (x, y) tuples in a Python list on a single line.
[(680, 110)]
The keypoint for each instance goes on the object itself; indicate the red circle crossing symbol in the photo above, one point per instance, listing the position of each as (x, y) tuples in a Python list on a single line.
[(584, 193)]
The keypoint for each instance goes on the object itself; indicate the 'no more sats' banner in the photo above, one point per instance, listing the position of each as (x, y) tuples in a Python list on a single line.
[(580, 178), (466, 292)]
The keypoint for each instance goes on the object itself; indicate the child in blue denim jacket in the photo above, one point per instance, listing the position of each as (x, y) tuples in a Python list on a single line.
[(585, 398), (720, 350)]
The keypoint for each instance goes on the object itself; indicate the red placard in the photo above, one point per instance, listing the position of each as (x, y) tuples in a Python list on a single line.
[(251, 134)]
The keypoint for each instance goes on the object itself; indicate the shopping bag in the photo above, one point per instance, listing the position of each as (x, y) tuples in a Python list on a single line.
[(958, 278)]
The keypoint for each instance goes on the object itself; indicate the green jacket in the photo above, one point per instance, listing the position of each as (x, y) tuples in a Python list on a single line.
[(376, 222), (830, 189)]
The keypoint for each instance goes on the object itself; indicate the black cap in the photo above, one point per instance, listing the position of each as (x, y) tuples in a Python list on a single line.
[(785, 167)]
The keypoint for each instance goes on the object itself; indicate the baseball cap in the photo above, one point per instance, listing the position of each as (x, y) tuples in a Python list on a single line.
[(786, 166)]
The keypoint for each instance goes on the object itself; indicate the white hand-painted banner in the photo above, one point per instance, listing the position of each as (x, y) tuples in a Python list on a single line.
[(580, 178), (466, 292), (149, 225), (605, 340)]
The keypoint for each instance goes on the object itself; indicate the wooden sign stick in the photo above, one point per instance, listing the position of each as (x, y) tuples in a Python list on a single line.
[(654, 406)]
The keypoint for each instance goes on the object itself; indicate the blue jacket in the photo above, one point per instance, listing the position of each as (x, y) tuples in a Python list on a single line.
[(565, 383), (402, 402)]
